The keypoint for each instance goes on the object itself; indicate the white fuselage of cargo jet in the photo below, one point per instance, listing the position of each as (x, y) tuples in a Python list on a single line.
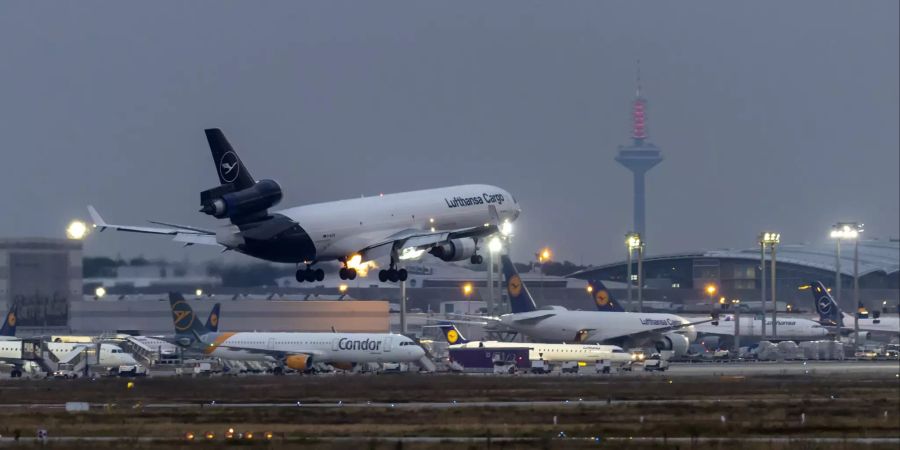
[(307, 348), (341, 228)]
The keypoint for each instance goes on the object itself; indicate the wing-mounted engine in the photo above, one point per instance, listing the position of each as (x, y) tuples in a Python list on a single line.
[(582, 335), (674, 342), (243, 205), (454, 249), (299, 362)]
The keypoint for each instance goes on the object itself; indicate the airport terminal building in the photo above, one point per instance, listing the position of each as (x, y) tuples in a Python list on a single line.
[(683, 277)]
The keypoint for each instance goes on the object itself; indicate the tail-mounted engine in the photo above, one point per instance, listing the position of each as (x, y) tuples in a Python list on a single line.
[(252, 202)]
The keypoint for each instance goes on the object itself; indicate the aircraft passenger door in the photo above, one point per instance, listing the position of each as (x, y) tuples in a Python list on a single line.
[(387, 343), (270, 344)]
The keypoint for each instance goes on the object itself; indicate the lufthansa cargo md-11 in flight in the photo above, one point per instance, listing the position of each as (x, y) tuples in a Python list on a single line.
[(449, 223)]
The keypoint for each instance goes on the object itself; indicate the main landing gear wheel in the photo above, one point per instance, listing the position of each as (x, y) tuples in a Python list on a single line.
[(310, 275), (392, 275), (347, 274), (476, 259)]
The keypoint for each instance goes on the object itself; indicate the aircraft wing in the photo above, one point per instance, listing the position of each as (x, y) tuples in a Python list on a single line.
[(184, 234), (534, 319), (654, 331), (415, 239)]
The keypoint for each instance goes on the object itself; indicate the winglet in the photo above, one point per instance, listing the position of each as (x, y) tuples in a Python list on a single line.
[(95, 216)]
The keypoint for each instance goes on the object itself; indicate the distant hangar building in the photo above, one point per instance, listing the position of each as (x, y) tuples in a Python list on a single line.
[(683, 277), (42, 276)]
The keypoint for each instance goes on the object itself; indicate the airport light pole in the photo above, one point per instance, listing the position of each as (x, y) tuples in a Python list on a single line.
[(711, 290), (632, 242), (494, 247), (640, 276), (736, 304), (506, 234), (543, 257), (762, 284), (848, 231), (403, 307), (766, 239)]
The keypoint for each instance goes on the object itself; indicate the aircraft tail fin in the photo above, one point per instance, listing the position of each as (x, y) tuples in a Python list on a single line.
[(212, 322), (9, 322), (520, 300), (602, 298), (188, 328), (229, 167), (829, 311), (452, 334)]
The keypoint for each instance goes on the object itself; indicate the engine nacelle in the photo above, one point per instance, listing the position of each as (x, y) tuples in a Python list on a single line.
[(675, 342), (221, 203), (454, 250), (298, 362)]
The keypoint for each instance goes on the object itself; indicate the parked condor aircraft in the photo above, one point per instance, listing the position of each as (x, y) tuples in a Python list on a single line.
[(547, 352), (450, 223), (789, 329), (831, 315), (297, 351), (557, 324)]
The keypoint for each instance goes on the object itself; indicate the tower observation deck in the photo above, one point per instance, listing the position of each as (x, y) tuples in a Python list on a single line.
[(639, 157)]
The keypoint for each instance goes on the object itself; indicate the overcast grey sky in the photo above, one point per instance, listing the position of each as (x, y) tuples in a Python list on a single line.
[(780, 115)]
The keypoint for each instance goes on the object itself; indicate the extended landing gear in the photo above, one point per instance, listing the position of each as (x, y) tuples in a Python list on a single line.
[(310, 275), (393, 275), (476, 259), (347, 274)]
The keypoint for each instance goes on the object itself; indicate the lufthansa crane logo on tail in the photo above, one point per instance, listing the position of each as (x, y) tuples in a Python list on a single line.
[(229, 167), (824, 304), (11, 319), (452, 336), (183, 316), (514, 286), (602, 297), (214, 320)]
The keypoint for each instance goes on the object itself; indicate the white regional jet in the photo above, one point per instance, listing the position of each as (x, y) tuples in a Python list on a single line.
[(13, 350), (298, 351), (558, 324), (449, 222), (547, 352)]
